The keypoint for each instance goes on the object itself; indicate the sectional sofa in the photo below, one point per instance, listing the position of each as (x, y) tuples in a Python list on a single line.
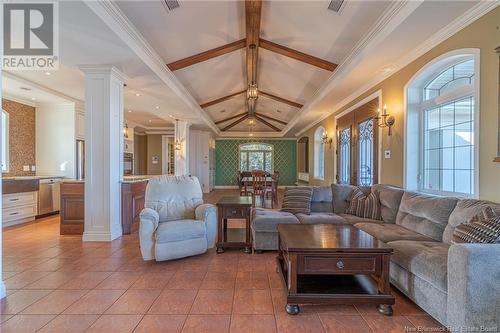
[(459, 285)]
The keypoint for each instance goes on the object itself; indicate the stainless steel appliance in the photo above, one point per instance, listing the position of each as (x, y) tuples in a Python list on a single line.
[(80, 159), (128, 163), (49, 196)]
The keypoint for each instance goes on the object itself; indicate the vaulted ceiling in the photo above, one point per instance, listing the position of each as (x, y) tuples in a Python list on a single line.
[(217, 49)]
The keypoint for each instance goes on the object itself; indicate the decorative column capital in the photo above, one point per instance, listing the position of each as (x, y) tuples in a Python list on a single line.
[(104, 70)]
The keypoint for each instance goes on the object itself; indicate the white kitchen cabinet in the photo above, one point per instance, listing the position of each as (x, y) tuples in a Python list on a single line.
[(202, 158), (19, 208)]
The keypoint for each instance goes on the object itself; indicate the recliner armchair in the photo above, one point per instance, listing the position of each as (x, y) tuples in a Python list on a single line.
[(175, 223)]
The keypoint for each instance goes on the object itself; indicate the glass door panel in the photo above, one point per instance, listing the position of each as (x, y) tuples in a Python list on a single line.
[(345, 156), (365, 152)]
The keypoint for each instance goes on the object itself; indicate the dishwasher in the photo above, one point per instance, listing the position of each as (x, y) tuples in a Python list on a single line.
[(49, 196)]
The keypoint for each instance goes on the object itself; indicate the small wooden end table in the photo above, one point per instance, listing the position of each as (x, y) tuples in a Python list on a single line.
[(333, 264), (233, 208)]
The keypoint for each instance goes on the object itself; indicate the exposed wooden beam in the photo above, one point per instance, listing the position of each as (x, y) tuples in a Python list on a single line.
[(221, 99), (297, 55), (270, 118), (230, 118), (253, 9), (203, 56), (281, 99), (234, 123), (267, 123)]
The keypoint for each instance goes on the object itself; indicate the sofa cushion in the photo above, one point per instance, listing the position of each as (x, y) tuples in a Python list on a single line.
[(297, 200), (464, 212), (341, 196), (425, 214), (484, 228), (427, 260), (362, 205), (267, 220), (315, 218), (353, 219), (322, 199), (175, 231), (390, 199), (388, 232)]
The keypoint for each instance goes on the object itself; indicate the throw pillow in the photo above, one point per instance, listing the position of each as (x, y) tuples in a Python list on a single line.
[(367, 206), (297, 200), (483, 228)]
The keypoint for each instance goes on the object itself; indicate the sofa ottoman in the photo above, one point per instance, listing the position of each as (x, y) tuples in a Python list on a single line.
[(265, 227)]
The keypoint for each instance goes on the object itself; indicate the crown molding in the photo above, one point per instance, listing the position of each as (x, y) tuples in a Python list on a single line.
[(117, 21), (254, 138), (451, 29)]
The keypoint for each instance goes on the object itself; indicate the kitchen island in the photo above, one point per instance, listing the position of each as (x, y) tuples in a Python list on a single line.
[(73, 204)]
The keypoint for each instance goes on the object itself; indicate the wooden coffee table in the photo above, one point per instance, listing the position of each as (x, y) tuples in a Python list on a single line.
[(333, 264)]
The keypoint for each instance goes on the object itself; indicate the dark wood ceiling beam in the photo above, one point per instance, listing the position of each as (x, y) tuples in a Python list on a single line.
[(297, 55), (281, 99), (253, 9), (234, 123), (221, 99), (270, 118), (268, 124), (230, 118), (204, 56)]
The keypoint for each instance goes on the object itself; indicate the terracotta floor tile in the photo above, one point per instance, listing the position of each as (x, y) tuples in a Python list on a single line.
[(155, 280), (161, 324), (252, 280), (86, 280), (173, 302), (253, 324), (385, 324), (119, 280), (213, 302), (115, 324), (303, 323), (134, 302), (186, 280), (69, 323), (55, 302), (107, 265), (219, 280), (275, 280), (4, 317), (23, 279), (16, 302), (52, 280), (95, 302), (221, 266), (25, 323), (339, 309), (338, 323), (250, 301), (425, 323), (51, 265), (207, 324)]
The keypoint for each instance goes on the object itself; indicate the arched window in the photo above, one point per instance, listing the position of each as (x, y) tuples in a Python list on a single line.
[(442, 126), (256, 156), (319, 153)]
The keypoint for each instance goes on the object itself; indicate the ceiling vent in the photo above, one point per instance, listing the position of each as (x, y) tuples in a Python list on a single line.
[(336, 5), (171, 4)]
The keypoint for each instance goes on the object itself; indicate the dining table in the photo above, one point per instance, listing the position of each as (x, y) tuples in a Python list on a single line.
[(248, 181)]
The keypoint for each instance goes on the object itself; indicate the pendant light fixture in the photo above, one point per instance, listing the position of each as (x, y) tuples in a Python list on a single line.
[(177, 143)]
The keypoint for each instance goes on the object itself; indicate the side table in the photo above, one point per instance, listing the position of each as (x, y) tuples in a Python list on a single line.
[(233, 208)]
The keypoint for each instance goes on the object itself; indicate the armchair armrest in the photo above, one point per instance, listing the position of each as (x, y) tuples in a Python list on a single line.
[(473, 286), (208, 214), (149, 220)]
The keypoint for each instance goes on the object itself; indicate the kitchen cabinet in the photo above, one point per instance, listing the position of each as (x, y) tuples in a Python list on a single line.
[(19, 207)]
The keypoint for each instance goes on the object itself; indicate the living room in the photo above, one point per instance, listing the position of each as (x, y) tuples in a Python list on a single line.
[(250, 166)]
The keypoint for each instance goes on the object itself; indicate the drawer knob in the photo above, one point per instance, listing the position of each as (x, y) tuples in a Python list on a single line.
[(340, 264)]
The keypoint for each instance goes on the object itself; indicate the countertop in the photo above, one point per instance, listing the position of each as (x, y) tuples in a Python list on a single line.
[(30, 177), (126, 179)]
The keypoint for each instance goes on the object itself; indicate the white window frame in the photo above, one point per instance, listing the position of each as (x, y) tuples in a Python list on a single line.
[(264, 151), (319, 150), (5, 145), (415, 107)]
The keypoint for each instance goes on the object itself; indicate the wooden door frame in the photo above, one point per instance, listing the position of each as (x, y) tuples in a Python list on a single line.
[(376, 95)]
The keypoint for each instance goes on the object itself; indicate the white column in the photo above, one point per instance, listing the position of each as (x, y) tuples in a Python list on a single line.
[(103, 152), (2, 284), (181, 156)]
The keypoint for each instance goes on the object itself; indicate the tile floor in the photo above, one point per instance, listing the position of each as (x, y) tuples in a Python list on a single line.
[(60, 284)]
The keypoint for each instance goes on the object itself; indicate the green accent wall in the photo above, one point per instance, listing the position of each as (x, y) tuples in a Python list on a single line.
[(227, 161)]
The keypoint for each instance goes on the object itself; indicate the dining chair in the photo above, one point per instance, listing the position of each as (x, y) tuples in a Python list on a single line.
[(245, 189), (262, 185)]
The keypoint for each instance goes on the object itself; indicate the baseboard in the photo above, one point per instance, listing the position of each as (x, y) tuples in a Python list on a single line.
[(98, 237)]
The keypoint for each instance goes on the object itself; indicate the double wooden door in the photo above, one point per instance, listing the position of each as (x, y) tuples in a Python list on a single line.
[(357, 146)]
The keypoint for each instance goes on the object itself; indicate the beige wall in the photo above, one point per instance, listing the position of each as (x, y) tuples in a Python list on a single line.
[(21, 137), (154, 149), (483, 34), (140, 154)]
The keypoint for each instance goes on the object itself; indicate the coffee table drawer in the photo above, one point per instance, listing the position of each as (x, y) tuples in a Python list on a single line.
[(338, 265), (229, 212)]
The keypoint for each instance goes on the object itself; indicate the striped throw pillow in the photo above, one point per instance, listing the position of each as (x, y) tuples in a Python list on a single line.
[(367, 206), (297, 200), (483, 228)]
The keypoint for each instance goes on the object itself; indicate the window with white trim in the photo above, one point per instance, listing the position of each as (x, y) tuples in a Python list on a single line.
[(256, 156), (319, 153), (441, 152), (5, 141)]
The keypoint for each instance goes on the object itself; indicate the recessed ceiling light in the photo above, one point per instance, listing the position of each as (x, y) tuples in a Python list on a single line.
[(48, 73), (157, 107), (129, 111), (137, 94), (33, 98), (150, 120)]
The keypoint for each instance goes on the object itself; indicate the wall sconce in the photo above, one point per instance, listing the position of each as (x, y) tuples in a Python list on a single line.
[(385, 120), (177, 143), (326, 139), (252, 92), (125, 131)]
